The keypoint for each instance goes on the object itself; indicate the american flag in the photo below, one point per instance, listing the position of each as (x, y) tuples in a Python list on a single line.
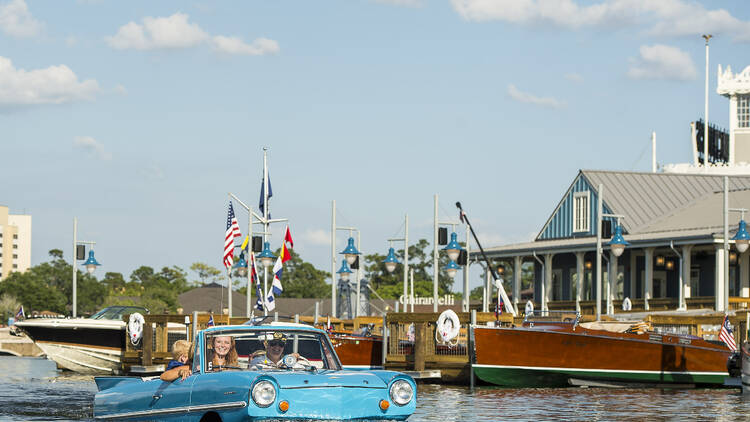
[(233, 230), (726, 334)]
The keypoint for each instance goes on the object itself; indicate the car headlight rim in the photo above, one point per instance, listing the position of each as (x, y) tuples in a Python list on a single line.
[(263, 393), (401, 392)]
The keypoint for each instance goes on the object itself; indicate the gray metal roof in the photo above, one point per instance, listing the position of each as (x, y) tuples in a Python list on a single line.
[(645, 198), (658, 208)]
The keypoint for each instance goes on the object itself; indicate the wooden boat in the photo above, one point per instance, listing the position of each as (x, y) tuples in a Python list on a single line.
[(358, 351), (547, 353)]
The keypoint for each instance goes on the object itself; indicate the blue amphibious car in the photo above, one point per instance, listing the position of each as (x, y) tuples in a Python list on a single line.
[(307, 383)]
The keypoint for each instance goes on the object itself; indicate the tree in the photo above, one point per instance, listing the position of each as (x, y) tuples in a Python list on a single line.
[(302, 279), (9, 305), (206, 273), (390, 285)]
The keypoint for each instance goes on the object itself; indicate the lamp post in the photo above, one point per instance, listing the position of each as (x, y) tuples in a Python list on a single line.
[(705, 126), (617, 245), (349, 253), (741, 239), (344, 272), (90, 264), (436, 272), (391, 261)]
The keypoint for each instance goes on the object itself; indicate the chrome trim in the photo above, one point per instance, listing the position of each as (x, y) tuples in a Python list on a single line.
[(312, 387), (183, 409)]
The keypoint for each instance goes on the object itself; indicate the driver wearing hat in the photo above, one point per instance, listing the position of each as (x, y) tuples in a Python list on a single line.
[(274, 344)]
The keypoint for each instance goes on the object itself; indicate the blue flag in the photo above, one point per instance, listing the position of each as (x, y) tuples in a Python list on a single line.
[(210, 321), (20, 314), (262, 192)]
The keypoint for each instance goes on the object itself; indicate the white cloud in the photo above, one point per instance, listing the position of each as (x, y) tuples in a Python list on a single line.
[(525, 97), (662, 17), (16, 20), (120, 89), (92, 146), (662, 62), (316, 237), (574, 77), (234, 45), (53, 85), (158, 33), (176, 32)]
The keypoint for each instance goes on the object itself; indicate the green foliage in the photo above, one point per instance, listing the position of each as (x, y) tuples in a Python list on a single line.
[(302, 279), (390, 285), (206, 274), (9, 305)]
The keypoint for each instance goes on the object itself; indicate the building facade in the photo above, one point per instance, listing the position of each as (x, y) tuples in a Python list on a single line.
[(675, 226), (15, 242)]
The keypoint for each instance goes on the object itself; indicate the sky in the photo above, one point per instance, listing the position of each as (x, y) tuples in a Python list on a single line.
[(139, 117)]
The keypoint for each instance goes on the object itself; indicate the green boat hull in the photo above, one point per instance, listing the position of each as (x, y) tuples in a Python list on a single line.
[(560, 377)]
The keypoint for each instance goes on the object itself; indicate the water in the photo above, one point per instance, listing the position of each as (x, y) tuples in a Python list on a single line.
[(32, 389)]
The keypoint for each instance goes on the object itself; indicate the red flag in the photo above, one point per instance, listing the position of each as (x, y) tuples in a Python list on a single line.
[(285, 255), (233, 230), (288, 238)]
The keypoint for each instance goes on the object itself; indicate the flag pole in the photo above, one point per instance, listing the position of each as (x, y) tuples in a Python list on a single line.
[(265, 225)]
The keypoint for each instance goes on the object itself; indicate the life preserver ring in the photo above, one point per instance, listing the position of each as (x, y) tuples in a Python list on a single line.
[(447, 327), (135, 328)]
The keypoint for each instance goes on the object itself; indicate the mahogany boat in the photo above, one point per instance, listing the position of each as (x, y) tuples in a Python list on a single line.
[(548, 353), (358, 351)]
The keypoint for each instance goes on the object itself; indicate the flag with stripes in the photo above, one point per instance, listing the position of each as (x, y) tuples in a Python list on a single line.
[(20, 314), (276, 288), (726, 334), (233, 230), (210, 322)]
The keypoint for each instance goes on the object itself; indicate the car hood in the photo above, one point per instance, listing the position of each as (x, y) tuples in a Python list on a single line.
[(299, 379)]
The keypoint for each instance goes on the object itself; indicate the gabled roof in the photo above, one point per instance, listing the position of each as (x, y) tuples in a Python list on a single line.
[(658, 208), (646, 198)]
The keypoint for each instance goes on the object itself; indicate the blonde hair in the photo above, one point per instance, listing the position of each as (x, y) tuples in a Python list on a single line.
[(181, 347)]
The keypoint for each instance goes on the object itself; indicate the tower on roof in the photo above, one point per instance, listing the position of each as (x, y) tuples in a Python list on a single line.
[(736, 87)]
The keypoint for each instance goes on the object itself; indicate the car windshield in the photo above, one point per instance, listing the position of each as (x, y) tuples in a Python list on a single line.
[(270, 349), (116, 312)]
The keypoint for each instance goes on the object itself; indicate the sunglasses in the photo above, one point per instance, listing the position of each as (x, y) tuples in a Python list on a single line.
[(276, 343)]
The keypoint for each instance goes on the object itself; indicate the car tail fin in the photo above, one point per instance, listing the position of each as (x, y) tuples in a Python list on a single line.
[(105, 383)]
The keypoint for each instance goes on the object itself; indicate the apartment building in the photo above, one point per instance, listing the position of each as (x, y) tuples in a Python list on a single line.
[(15, 242)]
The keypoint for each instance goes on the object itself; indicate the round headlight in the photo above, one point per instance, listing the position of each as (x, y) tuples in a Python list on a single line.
[(401, 392), (264, 393)]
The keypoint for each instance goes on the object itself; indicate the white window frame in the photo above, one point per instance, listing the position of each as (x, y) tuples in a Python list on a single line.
[(581, 211), (743, 111)]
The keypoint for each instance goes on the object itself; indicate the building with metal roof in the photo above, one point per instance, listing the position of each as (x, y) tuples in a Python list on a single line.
[(676, 257)]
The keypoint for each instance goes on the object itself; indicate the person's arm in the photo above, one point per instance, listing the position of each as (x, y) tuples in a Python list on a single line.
[(176, 372)]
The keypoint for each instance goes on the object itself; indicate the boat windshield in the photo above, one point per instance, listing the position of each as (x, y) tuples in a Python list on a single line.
[(539, 317), (269, 350), (117, 312)]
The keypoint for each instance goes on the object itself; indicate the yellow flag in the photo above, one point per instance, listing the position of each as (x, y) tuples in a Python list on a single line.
[(244, 243)]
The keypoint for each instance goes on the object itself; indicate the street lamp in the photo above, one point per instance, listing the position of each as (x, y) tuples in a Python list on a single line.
[(241, 265), (266, 257), (453, 248), (742, 237), (91, 263), (452, 268), (390, 261), (618, 243), (344, 272), (350, 252)]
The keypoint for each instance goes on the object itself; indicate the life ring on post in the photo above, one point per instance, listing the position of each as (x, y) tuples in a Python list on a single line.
[(135, 328), (447, 327)]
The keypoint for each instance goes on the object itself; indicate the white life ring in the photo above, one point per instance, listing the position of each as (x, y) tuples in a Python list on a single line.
[(447, 327), (529, 307), (626, 304), (135, 328)]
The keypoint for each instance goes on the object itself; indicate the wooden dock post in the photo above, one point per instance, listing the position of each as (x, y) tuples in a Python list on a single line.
[(148, 338), (420, 346)]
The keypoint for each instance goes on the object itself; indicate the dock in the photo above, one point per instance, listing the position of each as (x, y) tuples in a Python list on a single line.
[(19, 345)]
